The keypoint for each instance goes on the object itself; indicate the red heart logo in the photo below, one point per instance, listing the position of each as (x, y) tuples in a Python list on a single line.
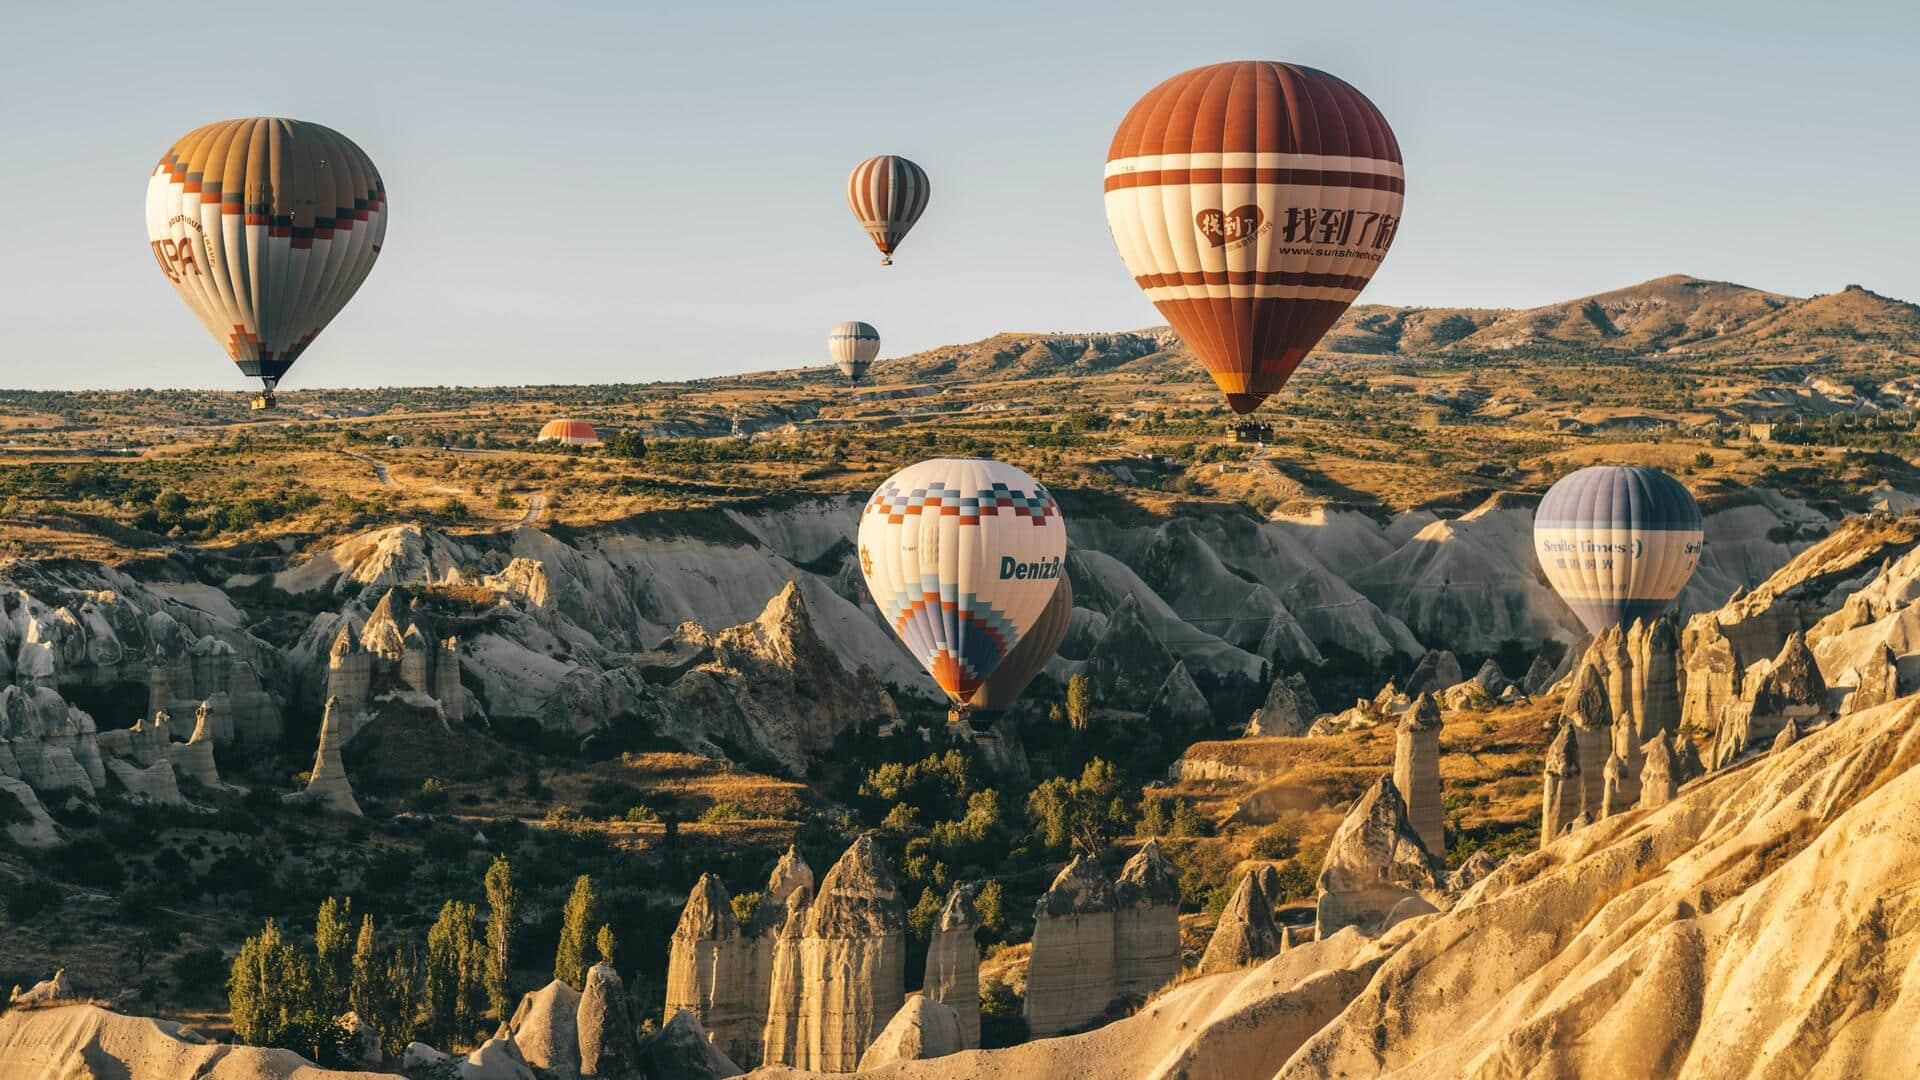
[(1221, 229)]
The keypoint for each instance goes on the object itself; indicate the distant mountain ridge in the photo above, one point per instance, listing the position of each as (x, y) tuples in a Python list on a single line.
[(1675, 316)]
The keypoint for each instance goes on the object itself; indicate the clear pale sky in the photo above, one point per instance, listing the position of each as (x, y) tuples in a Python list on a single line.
[(592, 192)]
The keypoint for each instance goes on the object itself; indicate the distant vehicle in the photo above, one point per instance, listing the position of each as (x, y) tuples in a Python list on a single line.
[(962, 557), (853, 345), (569, 433), (1252, 201), (265, 227), (1617, 542), (888, 194)]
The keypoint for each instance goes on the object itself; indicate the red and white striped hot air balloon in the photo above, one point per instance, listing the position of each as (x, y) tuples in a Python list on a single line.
[(888, 194), (1252, 201)]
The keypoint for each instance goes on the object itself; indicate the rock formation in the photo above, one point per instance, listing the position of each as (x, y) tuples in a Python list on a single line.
[(852, 960), (1879, 681), (154, 785), (921, 1029), (1712, 673), (1146, 923), (1788, 688), (545, 1027), (782, 1036), (1588, 713), (710, 970), (393, 654), (789, 875), (772, 686), (1659, 780), (608, 1049), (1560, 792), (1416, 772), (1470, 873), (327, 785), (683, 1050), (1436, 671), (1179, 704), (32, 827), (1612, 799), (1286, 711), (1245, 932), (1129, 663), (1070, 975), (58, 988), (1374, 861), (953, 962), (1789, 734)]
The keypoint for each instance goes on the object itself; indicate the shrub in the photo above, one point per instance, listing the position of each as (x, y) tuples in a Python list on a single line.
[(200, 971)]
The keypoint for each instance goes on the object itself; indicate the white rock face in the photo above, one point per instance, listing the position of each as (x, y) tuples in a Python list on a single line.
[(953, 963), (1374, 861), (852, 960), (922, 1029), (1146, 923), (38, 829), (1070, 976), (710, 971)]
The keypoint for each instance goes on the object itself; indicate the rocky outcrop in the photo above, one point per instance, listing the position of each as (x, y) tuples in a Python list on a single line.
[(852, 960), (1416, 772), (1712, 673), (1128, 663), (787, 1022), (1374, 861), (790, 875), (327, 785), (1288, 710), (608, 1049), (48, 743), (922, 1029), (682, 1050), (1436, 671), (953, 962), (154, 785), (545, 1027), (47, 991), (1245, 933), (1179, 704), (1878, 681), (1476, 867), (1789, 688), (710, 970), (1146, 923), (1588, 712), (773, 687), (30, 826), (80, 1042), (1560, 792), (1789, 734), (1659, 772), (1070, 975)]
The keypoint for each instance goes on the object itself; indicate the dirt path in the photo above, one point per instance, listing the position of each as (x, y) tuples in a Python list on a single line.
[(536, 505), (379, 471)]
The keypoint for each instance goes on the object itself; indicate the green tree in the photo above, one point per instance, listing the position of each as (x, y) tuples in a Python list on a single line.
[(503, 925), (1079, 702), (454, 973), (577, 919), (1085, 814), (604, 943), (363, 980), (394, 1008), (333, 956), (991, 906)]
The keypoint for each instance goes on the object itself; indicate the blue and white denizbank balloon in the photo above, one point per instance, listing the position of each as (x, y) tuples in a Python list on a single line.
[(1617, 542)]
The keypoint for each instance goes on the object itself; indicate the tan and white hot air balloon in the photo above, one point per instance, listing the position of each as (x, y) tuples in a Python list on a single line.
[(853, 345), (962, 556), (888, 194), (1252, 201), (265, 227)]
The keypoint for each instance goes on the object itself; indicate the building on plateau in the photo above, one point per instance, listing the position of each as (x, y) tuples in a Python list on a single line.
[(570, 433)]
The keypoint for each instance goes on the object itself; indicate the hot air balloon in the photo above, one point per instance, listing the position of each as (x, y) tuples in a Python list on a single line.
[(853, 345), (1617, 542), (1020, 666), (888, 194), (265, 227), (962, 556), (1252, 201)]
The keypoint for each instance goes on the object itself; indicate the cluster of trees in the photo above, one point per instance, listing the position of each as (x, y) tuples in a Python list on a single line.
[(280, 994)]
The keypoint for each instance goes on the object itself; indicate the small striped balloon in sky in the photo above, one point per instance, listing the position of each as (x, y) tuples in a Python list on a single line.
[(888, 194), (1617, 542)]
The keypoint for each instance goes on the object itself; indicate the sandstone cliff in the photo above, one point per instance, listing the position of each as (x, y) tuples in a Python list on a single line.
[(1070, 975)]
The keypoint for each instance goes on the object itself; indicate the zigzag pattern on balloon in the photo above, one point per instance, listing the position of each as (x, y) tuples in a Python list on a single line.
[(959, 637), (897, 505)]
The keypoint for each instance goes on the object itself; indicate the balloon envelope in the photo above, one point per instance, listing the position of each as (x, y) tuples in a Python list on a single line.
[(1617, 542), (1252, 201), (888, 194), (853, 345), (1018, 670), (265, 227), (961, 556)]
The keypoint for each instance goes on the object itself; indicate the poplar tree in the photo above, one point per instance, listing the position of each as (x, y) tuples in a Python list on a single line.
[(577, 922), (503, 925)]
